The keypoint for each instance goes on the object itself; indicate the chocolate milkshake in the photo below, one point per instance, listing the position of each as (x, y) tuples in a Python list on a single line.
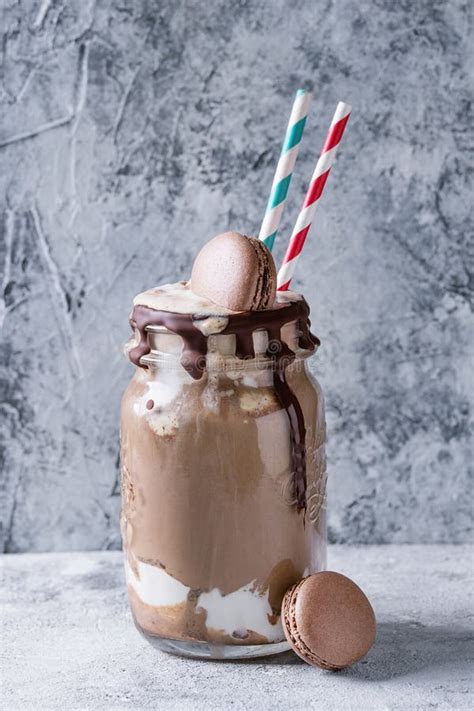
[(223, 465)]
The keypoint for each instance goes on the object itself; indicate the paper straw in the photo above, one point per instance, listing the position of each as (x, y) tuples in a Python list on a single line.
[(284, 170), (316, 186)]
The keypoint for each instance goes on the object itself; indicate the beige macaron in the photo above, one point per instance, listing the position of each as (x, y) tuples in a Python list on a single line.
[(235, 271), (328, 620)]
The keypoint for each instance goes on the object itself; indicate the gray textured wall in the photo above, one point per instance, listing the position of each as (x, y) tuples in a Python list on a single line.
[(131, 132)]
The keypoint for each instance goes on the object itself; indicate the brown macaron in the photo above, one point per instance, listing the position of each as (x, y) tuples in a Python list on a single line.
[(235, 271), (328, 620)]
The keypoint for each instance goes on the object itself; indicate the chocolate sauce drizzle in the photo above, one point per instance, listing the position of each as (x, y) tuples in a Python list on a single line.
[(242, 325)]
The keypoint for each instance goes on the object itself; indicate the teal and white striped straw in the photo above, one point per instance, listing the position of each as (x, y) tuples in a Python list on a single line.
[(284, 171)]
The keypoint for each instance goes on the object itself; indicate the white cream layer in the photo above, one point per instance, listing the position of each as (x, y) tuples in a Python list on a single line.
[(154, 586), (238, 611)]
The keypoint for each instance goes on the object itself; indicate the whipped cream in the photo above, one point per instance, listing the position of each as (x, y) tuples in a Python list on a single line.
[(178, 298)]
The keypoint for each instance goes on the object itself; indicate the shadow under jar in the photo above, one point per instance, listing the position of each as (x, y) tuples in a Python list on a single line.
[(223, 486)]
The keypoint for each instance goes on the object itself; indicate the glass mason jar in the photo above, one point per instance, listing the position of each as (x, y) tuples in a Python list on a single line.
[(213, 535)]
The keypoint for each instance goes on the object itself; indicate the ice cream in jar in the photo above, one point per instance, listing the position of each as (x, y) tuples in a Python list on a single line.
[(223, 465)]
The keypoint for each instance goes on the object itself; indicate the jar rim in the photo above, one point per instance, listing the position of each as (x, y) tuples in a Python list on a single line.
[(214, 362)]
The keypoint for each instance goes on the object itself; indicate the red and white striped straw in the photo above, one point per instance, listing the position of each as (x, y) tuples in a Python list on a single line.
[(316, 186)]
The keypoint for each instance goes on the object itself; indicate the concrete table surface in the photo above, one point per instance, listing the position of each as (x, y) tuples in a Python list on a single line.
[(68, 641)]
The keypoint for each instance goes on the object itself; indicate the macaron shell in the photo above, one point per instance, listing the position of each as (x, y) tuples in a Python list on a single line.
[(265, 289), (292, 635), (328, 620), (236, 272)]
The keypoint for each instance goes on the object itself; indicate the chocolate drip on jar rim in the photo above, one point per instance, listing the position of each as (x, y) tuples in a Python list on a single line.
[(193, 356), (242, 326)]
